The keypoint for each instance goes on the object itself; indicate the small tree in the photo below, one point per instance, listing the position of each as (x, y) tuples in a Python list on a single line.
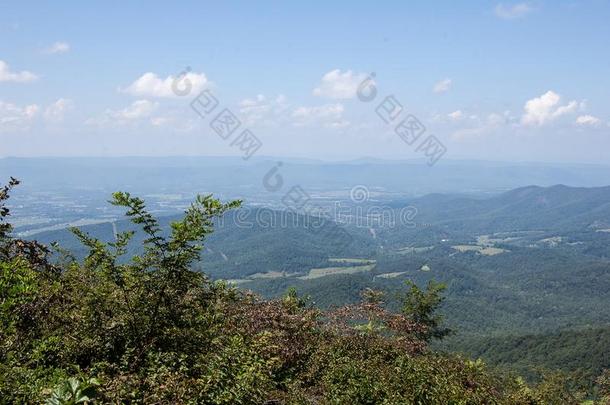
[(422, 308), (5, 228), (156, 289)]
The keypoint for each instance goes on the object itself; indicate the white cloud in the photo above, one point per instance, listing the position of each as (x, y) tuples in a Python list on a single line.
[(146, 114), (133, 113), (544, 109), (138, 109), (588, 120), (57, 47), (255, 106), (456, 115), (329, 115), (15, 118), (488, 125), (57, 110), (442, 86), (151, 85), (6, 75), (339, 86), (263, 110), (509, 12), (160, 121)]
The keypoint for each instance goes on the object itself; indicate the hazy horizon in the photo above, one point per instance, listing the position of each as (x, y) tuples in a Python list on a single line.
[(363, 158)]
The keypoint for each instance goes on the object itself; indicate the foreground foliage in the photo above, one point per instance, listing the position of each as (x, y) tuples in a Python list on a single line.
[(152, 330)]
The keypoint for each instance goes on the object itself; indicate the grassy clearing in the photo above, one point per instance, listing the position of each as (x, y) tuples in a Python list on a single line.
[(552, 242), (237, 281), (409, 249), (467, 248), (391, 275), (329, 271), (261, 276), (271, 274), (490, 240), (487, 251), (492, 251), (351, 260)]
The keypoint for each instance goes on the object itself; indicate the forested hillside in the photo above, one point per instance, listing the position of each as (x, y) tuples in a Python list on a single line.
[(153, 329), (581, 352), (545, 275)]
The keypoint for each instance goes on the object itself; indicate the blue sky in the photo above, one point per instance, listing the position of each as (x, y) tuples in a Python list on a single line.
[(519, 81)]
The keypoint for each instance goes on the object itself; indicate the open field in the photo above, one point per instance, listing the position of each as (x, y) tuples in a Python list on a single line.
[(237, 281), (487, 251), (351, 261), (271, 274), (391, 275), (409, 249), (329, 271)]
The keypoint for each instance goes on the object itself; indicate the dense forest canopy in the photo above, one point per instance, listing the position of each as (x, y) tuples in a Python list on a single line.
[(538, 285), (152, 329)]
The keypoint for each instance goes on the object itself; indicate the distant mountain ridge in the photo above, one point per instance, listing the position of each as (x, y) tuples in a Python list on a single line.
[(237, 178), (551, 209), (525, 208)]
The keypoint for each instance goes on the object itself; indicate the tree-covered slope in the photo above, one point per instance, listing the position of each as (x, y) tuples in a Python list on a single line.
[(151, 329)]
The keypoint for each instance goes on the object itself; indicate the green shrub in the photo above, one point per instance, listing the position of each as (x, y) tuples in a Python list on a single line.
[(153, 330)]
